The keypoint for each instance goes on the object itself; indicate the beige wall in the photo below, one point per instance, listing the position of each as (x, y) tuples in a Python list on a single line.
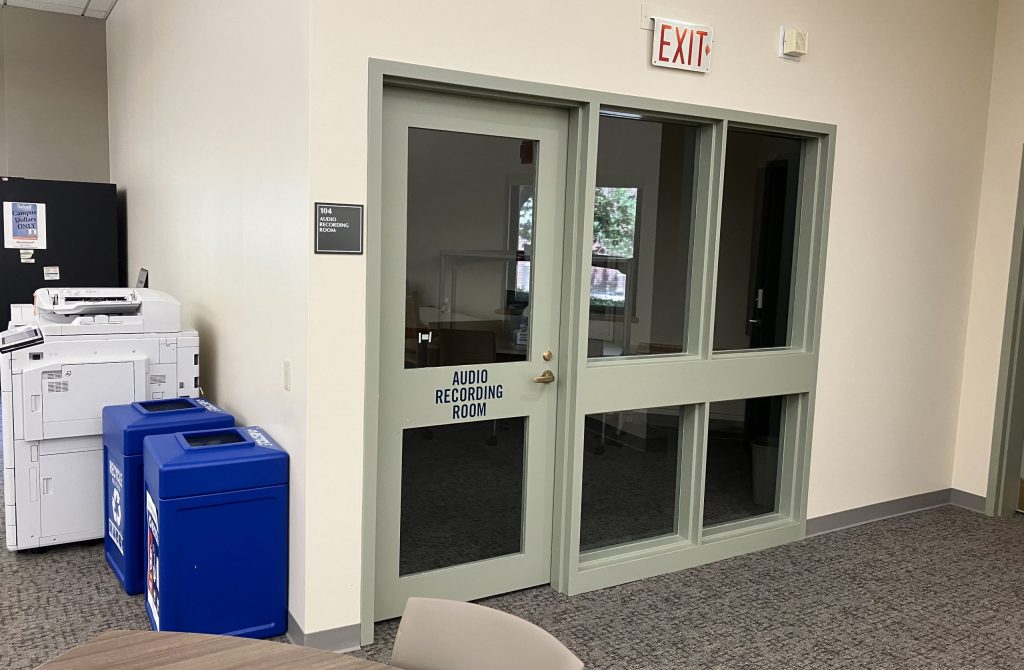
[(209, 106), (908, 167), (54, 96), (229, 119), (992, 253)]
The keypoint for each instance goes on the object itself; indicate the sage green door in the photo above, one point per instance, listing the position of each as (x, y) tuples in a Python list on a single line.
[(472, 215)]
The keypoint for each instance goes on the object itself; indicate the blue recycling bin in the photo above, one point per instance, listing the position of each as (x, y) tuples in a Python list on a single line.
[(124, 427), (217, 532)]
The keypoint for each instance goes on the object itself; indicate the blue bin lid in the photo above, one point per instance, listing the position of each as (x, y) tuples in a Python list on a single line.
[(213, 461), (125, 426)]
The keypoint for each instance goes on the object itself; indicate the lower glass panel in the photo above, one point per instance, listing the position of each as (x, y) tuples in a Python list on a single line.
[(462, 493), (630, 467), (741, 479)]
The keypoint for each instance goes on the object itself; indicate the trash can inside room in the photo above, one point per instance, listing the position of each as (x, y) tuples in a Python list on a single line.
[(764, 453), (217, 532), (124, 427)]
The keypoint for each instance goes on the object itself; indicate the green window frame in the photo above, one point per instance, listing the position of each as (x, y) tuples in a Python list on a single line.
[(691, 379)]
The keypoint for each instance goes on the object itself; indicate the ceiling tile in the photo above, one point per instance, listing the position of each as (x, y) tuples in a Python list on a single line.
[(64, 6), (102, 6)]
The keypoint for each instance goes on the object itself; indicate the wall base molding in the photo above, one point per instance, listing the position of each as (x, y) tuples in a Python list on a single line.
[(891, 508), (341, 639), (970, 501)]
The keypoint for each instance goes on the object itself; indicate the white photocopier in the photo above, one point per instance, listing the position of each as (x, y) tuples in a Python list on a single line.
[(79, 350)]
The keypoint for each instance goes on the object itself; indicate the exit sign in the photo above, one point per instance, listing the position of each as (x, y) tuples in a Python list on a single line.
[(680, 45)]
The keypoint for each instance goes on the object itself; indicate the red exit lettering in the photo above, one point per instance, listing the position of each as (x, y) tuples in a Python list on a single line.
[(681, 45)]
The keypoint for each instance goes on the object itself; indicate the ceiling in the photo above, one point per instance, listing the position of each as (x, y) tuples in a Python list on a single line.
[(97, 9)]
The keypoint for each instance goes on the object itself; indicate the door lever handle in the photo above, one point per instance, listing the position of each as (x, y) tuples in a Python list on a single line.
[(545, 377)]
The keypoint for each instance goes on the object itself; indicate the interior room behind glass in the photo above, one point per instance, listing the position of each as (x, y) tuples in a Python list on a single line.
[(643, 220), (756, 241), (639, 292), (742, 462), (470, 234)]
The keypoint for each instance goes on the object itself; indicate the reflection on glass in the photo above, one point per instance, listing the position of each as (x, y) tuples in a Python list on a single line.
[(613, 252), (470, 212), (756, 243), (521, 221), (629, 476), (741, 479), (462, 493), (643, 219)]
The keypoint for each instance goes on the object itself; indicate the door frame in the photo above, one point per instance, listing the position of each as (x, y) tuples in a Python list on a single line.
[(548, 126), (1008, 431), (797, 365)]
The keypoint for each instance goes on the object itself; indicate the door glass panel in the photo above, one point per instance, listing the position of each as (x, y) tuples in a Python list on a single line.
[(462, 493), (742, 459), (756, 247), (643, 222), (471, 203), (629, 476)]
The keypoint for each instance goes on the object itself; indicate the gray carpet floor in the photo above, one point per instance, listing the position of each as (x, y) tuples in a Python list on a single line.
[(56, 598), (943, 588)]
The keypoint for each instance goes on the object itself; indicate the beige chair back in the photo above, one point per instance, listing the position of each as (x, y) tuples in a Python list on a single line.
[(449, 635)]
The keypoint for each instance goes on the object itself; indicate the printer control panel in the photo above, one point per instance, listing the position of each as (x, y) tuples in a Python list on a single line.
[(20, 337)]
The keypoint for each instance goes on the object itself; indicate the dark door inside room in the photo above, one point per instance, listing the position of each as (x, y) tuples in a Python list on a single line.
[(772, 262), (771, 281)]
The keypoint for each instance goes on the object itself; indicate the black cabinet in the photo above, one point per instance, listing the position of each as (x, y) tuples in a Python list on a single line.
[(85, 241)]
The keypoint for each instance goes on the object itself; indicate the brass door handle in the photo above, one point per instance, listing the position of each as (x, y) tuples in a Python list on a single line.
[(545, 377)]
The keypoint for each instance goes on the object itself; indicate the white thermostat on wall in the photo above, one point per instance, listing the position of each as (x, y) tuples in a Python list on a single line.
[(792, 43)]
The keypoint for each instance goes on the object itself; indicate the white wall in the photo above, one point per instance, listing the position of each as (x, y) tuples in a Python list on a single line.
[(209, 112), (911, 115), (53, 96), (992, 254)]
